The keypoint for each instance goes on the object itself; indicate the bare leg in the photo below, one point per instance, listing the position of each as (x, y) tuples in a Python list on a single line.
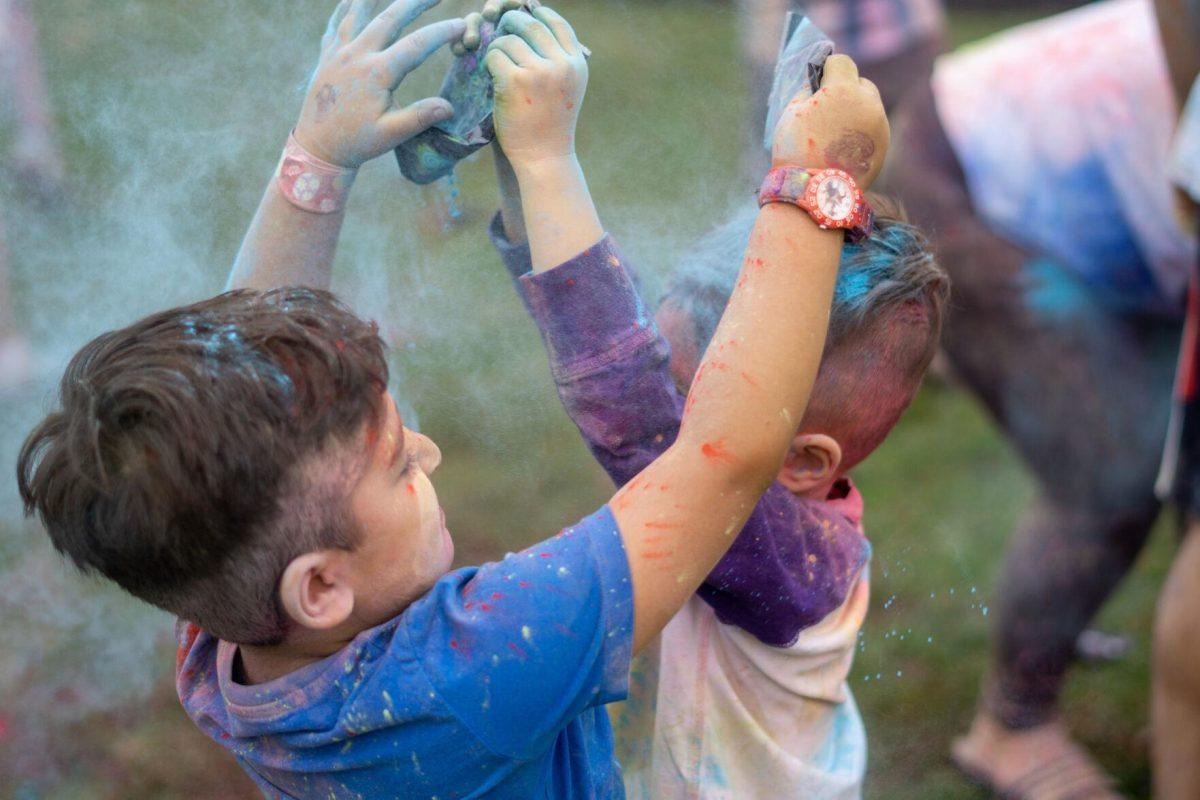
[(1176, 677)]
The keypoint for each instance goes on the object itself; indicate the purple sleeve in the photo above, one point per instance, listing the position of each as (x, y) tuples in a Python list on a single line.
[(610, 365)]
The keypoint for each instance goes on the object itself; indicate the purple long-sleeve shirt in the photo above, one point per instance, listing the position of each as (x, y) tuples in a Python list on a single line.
[(796, 560)]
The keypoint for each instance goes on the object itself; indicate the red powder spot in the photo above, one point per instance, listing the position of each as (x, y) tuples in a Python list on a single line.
[(512, 646), (411, 490), (749, 380), (225, 735), (496, 595), (570, 105), (544, 555), (340, 344), (715, 451), (663, 526), (485, 606), (528, 101), (454, 644), (469, 606), (190, 633), (758, 262), (570, 281), (663, 488), (656, 554), (523, 584)]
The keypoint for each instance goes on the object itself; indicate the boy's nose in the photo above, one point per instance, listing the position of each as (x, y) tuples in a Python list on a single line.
[(431, 454)]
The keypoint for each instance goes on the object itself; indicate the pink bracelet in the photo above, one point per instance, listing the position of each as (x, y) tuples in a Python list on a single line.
[(310, 183)]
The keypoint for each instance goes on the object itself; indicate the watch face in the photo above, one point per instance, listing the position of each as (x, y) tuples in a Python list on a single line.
[(835, 199)]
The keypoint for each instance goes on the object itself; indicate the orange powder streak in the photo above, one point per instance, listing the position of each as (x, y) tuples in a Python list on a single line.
[(715, 451)]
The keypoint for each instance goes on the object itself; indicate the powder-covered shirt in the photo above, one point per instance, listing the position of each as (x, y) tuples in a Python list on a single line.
[(744, 694), (1062, 127), (490, 685)]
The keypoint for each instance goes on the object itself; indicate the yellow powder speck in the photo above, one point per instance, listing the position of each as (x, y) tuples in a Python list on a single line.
[(526, 633)]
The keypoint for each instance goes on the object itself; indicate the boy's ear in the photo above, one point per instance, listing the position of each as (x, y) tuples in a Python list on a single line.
[(314, 590), (811, 463)]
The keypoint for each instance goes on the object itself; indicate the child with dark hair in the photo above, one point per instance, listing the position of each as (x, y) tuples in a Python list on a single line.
[(240, 463), (745, 693)]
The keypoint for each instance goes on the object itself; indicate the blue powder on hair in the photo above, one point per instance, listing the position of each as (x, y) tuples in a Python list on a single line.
[(885, 270), (851, 287)]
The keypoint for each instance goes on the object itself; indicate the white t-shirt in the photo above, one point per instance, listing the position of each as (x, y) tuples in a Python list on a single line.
[(715, 714)]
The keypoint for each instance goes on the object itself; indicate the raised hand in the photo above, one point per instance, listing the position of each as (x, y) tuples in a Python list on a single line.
[(348, 115), (540, 74), (842, 125)]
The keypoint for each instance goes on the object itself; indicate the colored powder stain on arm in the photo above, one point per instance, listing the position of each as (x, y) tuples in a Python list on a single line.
[(663, 525), (746, 377), (652, 555), (715, 451)]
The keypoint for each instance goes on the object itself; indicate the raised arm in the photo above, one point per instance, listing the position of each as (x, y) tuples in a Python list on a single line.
[(347, 119), (679, 515)]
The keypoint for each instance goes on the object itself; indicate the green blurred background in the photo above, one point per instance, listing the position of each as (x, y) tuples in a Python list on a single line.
[(172, 115)]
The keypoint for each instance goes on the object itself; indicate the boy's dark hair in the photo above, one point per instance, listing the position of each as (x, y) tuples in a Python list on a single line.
[(198, 451), (883, 328)]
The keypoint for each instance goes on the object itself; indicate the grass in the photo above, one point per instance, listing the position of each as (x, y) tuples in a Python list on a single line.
[(172, 113)]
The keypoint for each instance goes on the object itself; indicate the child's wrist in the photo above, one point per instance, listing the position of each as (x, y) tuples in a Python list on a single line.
[(530, 171), (311, 183)]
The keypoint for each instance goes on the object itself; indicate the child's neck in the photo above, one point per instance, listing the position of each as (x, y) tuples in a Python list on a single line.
[(254, 664)]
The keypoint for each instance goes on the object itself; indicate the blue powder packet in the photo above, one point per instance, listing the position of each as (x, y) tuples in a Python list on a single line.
[(432, 154), (798, 69)]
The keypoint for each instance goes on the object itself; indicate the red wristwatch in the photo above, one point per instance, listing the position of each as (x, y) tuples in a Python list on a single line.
[(830, 196)]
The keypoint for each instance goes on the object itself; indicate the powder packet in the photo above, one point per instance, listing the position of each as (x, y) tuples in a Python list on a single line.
[(802, 54), (432, 153)]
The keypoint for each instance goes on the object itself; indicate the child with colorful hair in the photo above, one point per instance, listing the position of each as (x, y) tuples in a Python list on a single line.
[(240, 463), (745, 693)]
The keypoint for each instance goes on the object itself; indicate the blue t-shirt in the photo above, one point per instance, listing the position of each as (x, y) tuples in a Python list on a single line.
[(491, 685)]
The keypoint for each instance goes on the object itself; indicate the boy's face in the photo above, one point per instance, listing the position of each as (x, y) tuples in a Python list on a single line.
[(405, 545)]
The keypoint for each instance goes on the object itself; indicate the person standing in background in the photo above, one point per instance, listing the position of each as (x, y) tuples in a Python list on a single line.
[(1049, 204)]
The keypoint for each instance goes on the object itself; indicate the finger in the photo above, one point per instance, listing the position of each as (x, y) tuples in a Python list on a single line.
[(560, 28), (517, 50), (839, 68), (470, 40), (385, 28), (357, 17), (404, 123), (535, 34), (411, 51), (335, 21), (495, 9), (499, 64)]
